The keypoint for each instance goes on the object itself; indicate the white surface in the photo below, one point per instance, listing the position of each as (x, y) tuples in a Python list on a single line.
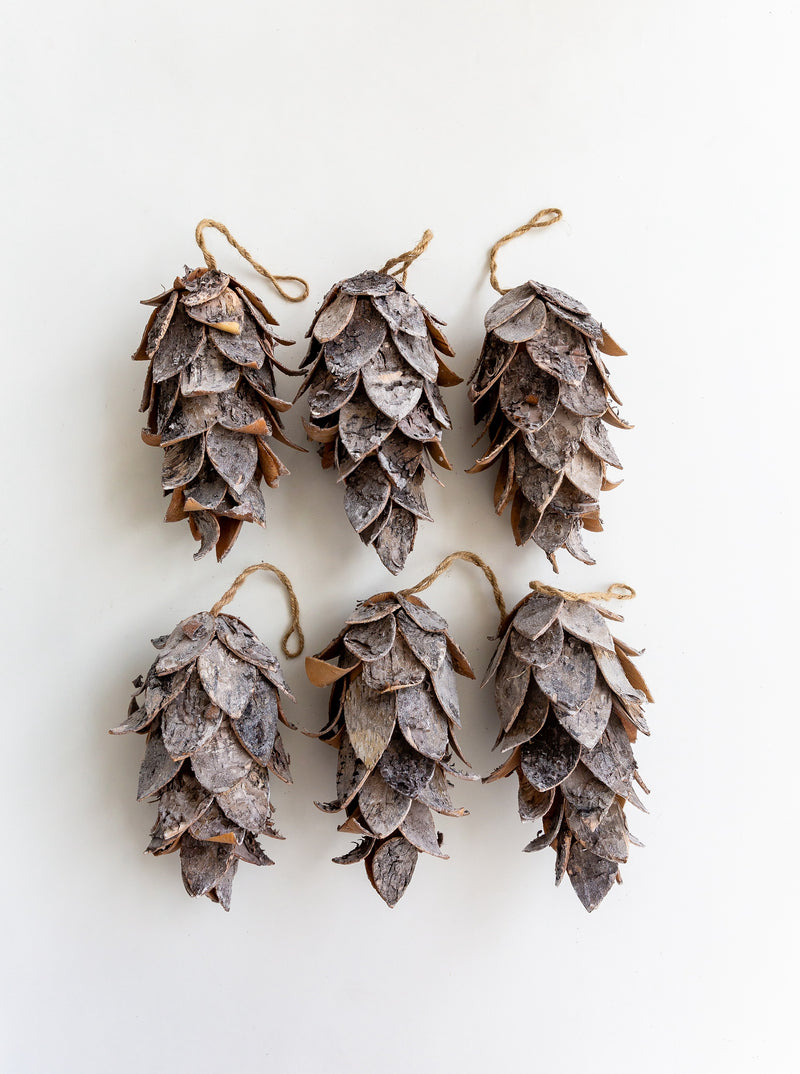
[(328, 136)]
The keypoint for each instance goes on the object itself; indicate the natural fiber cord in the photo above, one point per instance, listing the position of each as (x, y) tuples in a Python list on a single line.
[(294, 606), (274, 280), (398, 266), (470, 557), (544, 218), (616, 591)]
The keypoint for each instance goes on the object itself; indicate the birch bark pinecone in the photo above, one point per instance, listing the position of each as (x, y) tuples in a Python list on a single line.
[(376, 410), (392, 713), (570, 702), (543, 394), (212, 404), (209, 707)]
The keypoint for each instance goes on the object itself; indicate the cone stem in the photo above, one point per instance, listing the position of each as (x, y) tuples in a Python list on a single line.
[(544, 218), (294, 606), (274, 280)]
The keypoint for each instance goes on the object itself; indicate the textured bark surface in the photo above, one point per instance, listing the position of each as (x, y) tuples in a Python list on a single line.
[(543, 396), (211, 404), (420, 830), (190, 719), (392, 717), (569, 733), (540, 653), (569, 679), (374, 370), (421, 720), (395, 670), (404, 768), (369, 717), (529, 720), (390, 868), (510, 687), (209, 707)]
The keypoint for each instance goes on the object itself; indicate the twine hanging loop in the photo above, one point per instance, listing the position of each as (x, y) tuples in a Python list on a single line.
[(398, 266), (544, 218), (211, 261), (294, 606), (616, 591), (469, 557)]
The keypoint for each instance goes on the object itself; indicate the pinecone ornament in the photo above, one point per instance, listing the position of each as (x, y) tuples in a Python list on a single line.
[(392, 714), (542, 393), (212, 403), (570, 702), (210, 708), (373, 383)]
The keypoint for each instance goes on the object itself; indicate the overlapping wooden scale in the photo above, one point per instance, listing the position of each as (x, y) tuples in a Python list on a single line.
[(257, 726), (209, 706), (247, 802), (362, 427), (569, 699), (228, 680), (549, 757), (569, 680), (390, 867), (404, 768), (211, 402), (181, 805), (373, 377), (422, 721), (544, 651), (392, 711), (225, 312), (419, 829), (562, 353), (186, 642), (221, 761), (213, 825), (390, 384), (395, 541), (160, 689), (543, 397), (157, 767), (437, 795), (369, 716), (351, 774), (367, 492), (525, 324), (137, 720), (204, 864), (529, 720), (189, 720), (532, 803), (551, 825), (382, 806), (240, 640), (508, 306)]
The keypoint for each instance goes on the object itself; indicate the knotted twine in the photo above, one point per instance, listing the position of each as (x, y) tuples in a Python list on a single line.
[(211, 261), (294, 606), (544, 218)]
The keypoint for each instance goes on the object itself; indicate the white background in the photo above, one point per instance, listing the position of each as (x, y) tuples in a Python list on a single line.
[(328, 136)]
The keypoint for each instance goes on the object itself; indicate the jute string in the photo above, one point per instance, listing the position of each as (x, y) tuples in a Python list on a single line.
[(398, 266), (294, 607), (544, 218), (211, 261), (616, 591), (470, 557)]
